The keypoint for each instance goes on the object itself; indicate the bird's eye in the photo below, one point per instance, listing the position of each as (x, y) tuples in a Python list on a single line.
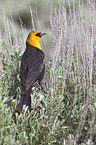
[(38, 34)]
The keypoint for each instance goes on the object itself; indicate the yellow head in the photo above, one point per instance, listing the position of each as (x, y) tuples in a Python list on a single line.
[(34, 37)]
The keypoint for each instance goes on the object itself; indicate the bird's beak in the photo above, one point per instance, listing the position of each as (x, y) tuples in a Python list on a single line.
[(42, 34)]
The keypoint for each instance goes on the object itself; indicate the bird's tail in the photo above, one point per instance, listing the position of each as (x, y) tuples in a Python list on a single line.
[(25, 100)]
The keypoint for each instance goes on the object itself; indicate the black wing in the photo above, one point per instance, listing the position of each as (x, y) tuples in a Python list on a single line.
[(32, 67)]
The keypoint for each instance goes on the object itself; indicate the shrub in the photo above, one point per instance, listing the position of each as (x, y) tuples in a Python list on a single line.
[(66, 115)]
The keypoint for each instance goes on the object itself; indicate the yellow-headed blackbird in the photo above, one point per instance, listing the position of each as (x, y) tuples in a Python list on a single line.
[(32, 67)]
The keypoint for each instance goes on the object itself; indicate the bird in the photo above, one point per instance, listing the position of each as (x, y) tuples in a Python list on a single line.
[(32, 67)]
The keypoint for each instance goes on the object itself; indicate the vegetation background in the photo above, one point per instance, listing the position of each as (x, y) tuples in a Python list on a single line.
[(67, 114)]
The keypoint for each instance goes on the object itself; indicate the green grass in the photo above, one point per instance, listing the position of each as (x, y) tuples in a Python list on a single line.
[(67, 114)]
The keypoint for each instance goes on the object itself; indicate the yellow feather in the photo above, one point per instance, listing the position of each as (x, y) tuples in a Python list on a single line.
[(33, 39)]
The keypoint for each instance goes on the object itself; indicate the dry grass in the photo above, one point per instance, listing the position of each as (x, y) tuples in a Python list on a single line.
[(66, 115)]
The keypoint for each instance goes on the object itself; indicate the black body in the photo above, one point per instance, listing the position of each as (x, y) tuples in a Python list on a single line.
[(32, 70)]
